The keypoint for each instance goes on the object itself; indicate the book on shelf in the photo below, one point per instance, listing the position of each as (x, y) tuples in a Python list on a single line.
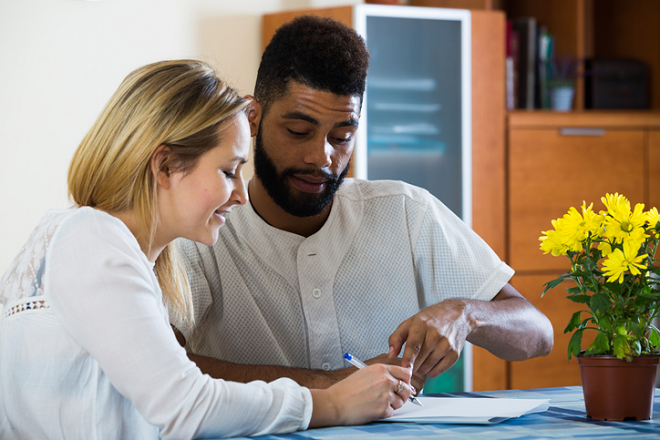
[(526, 28), (512, 60), (544, 56), (530, 57)]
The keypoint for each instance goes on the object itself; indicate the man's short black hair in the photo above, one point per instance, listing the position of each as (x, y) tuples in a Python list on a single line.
[(318, 52)]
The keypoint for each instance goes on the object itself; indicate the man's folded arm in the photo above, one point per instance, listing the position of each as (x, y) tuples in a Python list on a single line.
[(247, 373)]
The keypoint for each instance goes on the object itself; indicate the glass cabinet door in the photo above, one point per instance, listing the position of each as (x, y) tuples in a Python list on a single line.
[(417, 98)]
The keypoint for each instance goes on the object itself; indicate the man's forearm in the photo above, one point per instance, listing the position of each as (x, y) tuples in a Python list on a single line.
[(510, 327), (246, 373)]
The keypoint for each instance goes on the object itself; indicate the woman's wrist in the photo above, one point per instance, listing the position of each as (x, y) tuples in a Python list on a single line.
[(325, 411)]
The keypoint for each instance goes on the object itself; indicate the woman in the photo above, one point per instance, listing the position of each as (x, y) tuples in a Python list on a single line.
[(86, 348)]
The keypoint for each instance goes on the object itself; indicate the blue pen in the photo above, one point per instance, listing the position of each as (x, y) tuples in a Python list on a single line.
[(358, 363)]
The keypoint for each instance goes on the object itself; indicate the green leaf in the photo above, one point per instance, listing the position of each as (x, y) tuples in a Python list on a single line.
[(601, 343), (654, 339), (616, 288), (600, 302), (575, 344), (574, 291), (552, 284), (581, 299), (605, 324), (637, 331), (574, 322), (621, 347)]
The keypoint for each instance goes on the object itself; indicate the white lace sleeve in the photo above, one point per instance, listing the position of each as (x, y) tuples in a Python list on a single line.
[(21, 285)]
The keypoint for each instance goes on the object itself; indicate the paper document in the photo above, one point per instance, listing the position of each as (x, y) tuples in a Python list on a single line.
[(469, 410)]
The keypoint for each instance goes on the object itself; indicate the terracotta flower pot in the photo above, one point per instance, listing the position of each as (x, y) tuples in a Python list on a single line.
[(618, 390)]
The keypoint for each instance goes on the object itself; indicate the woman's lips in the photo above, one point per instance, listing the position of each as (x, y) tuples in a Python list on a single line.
[(220, 215)]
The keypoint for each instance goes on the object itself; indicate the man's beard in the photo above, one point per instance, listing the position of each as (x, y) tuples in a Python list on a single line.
[(278, 187)]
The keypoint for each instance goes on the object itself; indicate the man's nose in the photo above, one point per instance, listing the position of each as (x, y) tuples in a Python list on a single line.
[(319, 153)]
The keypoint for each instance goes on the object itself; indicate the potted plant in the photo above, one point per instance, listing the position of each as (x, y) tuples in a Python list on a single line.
[(613, 265), (561, 74)]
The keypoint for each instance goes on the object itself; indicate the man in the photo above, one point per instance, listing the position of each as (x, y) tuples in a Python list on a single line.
[(316, 265)]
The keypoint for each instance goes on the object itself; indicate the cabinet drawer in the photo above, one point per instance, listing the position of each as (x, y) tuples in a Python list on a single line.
[(550, 171)]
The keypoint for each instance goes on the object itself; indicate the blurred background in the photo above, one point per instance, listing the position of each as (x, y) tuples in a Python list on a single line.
[(60, 60)]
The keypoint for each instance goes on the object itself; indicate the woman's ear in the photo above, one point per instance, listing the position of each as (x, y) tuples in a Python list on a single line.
[(254, 114), (159, 166)]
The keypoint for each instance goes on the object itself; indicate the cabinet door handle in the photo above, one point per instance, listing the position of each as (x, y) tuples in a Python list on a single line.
[(582, 131)]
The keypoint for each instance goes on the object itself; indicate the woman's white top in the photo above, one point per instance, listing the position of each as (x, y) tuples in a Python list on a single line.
[(87, 351)]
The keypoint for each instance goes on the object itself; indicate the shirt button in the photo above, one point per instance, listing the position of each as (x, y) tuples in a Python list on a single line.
[(326, 366), (316, 293)]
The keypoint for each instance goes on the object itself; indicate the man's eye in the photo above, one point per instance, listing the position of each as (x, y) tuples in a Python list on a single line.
[(344, 139), (296, 133)]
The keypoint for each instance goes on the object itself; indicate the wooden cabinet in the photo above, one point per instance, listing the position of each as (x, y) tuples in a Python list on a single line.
[(552, 169), (559, 160)]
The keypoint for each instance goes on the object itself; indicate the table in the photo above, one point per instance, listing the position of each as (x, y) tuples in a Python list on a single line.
[(566, 418)]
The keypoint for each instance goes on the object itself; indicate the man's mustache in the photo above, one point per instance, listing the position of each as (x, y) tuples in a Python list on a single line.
[(316, 173)]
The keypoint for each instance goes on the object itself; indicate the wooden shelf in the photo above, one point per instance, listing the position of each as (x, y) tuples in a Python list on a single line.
[(587, 118), (600, 29), (588, 28)]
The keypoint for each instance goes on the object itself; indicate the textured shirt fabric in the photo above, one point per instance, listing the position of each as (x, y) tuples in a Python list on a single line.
[(264, 296), (87, 352)]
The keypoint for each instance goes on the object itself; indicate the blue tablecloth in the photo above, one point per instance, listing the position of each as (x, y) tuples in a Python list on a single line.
[(566, 418)]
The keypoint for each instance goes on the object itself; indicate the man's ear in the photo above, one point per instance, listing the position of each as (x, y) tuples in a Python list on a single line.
[(159, 166), (254, 114)]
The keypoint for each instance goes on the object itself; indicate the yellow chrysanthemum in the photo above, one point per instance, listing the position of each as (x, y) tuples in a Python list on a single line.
[(620, 261), (652, 217), (577, 227), (605, 248), (621, 223), (551, 243), (615, 202), (571, 230)]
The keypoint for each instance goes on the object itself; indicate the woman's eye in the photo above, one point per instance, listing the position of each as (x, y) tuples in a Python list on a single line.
[(230, 174)]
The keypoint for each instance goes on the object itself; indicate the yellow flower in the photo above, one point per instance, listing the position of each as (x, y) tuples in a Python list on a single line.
[(552, 243), (614, 202), (577, 227), (571, 230), (621, 223), (652, 217), (605, 247), (620, 261)]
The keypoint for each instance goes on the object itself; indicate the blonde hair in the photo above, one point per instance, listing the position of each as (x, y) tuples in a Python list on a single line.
[(181, 104)]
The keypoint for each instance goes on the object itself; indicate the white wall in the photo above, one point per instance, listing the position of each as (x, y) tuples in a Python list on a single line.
[(60, 60)]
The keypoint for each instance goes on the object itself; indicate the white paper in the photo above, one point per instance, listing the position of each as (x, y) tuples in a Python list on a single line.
[(468, 410)]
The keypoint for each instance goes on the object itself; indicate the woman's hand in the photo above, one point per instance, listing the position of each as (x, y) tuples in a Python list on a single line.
[(368, 394)]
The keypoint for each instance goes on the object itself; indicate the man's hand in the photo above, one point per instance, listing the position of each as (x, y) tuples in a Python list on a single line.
[(434, 338), (508, 326), (417, 380)]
